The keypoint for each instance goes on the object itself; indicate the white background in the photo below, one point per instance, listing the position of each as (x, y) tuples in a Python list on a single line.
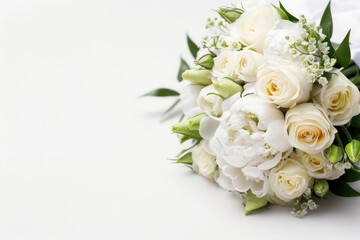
[(82, 157)]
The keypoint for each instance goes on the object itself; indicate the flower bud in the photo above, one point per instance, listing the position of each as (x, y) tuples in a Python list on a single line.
[(230, 14), (202, 77), (206, 61), (353, 150), (334, 154), (194, 122), (321, 187), (227, 87), (189, 128)]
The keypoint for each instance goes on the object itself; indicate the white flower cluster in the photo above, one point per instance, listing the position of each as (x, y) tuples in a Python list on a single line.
[(313, 51), (218, 36), (268, 120)]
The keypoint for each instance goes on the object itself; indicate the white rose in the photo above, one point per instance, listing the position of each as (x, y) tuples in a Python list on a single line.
[(340, 98), (252, 26), (244, 149), (318, 166), (203, 162), (247, 64), (225, 64), (276, 45), (283, 84), (309, 129), (210, 101), (289, 180), (189, 92)]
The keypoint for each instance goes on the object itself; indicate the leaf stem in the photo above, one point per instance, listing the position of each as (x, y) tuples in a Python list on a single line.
[(347, 134), (338, 140)]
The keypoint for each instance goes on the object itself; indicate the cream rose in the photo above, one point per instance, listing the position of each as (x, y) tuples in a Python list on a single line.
[(225, 64), (283, 84), (203, 162), (309, 129), (252, 26), (340, 98), (317, 165), (210, 101), (289, 180), (247, 64)]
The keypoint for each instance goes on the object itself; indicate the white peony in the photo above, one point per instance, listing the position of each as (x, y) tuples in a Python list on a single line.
[(340, 98), (282, 83), (203, 162), (225, 64), (289, 180), (252, 26), (309, 129), (277, 42), (244, 150), (210, 101), (247, 64), (317, 165), (189, 93)]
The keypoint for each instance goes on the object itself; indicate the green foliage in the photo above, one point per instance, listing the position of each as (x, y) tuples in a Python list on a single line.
[(186, 159), (341, 188), (192, 47), (254, 203), (183, 67), (289, 17), (161, 92), (343, 53), (326, 22), (351, 175)]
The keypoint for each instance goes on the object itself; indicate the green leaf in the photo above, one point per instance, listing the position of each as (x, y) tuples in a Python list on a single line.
[(282, 14), (351, 175), (183, 67), (253, 203), (161, 92), (355, 121), (192, 47), (186, 159), (356, 79), (351, 70), (342, 53), (326, 22), (341, 188), (290, 17)]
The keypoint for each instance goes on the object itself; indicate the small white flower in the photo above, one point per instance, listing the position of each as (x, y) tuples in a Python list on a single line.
[(210, 101), (225, 64), (203, 162), (189, 92), (247, 64)]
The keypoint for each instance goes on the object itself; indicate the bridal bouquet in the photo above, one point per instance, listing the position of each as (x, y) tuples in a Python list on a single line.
[(271, 108)]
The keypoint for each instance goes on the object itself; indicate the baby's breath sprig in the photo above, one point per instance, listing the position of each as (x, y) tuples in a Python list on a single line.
[(218, 36), (313, 51), (304, 204)]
